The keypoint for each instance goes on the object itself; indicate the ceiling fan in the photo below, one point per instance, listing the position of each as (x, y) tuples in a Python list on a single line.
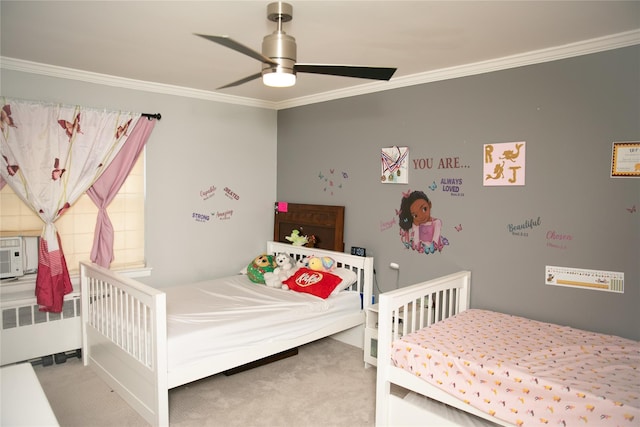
[(278, 57)]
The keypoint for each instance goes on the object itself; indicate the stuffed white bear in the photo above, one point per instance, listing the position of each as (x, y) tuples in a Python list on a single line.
[(272, 280), (285, 266), (282, 272)]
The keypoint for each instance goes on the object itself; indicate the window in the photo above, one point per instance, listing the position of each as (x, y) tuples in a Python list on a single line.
[(76, 226)]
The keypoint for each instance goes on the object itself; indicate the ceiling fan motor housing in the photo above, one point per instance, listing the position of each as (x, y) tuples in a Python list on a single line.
[(279, 46)]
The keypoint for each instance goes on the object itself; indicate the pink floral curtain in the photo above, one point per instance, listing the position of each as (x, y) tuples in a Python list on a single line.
[(107, 186), (51, 154)]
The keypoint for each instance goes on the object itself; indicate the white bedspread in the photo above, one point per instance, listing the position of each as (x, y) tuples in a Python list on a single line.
[(231, 313)]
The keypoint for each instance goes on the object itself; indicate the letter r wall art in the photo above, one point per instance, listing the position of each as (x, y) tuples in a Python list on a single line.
[(504, 163)]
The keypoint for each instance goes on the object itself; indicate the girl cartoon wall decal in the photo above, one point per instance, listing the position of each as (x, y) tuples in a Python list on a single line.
[(418, 229)]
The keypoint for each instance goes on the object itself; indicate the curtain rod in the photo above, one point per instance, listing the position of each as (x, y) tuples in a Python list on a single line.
[(150, 116)]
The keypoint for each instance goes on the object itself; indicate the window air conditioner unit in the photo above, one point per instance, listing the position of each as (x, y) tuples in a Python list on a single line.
[(11, 257)]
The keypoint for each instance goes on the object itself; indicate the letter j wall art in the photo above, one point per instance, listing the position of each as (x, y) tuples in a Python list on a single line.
[(504, 164)]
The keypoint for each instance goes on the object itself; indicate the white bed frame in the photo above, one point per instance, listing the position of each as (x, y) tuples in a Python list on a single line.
[(403, 311), (124, 337)]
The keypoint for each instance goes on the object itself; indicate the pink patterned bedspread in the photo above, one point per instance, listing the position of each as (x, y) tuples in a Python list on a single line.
[(526, 372)]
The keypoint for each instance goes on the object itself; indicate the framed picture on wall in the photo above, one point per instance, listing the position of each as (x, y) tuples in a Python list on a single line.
[(395, 165), (504, 164), (625, 160)]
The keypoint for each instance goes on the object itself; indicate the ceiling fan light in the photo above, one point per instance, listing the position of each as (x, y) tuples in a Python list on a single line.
[(279, 79)]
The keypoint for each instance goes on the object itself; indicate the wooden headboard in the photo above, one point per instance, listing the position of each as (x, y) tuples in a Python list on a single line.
[(324, 222)]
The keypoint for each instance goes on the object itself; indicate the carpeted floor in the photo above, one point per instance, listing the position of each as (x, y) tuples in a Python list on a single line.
[(326, 384)]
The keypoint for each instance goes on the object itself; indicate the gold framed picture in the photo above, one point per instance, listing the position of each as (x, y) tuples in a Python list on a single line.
[(625, 160)]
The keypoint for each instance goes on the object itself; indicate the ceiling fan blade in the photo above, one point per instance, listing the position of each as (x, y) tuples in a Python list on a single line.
[(242, 81), (373, 73), (238, 47)]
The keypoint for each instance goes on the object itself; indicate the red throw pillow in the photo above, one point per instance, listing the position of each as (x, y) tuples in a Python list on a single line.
[(318, 283)]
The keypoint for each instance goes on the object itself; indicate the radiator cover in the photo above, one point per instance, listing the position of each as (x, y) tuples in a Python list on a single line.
[(27, 333)]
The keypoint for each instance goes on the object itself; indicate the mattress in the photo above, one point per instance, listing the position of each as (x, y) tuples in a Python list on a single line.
[(526, 372), (232, 313)]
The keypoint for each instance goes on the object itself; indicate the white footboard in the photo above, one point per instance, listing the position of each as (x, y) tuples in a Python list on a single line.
[(403, 311), (124, 339)]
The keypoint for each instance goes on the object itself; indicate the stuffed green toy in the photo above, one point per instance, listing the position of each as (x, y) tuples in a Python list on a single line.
[(260, 265), (296, 239)]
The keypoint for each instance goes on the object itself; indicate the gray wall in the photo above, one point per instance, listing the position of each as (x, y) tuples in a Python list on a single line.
[(569, 112), (197, 145)]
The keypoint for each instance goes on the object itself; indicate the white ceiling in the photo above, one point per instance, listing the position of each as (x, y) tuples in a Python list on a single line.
[(153, 41)]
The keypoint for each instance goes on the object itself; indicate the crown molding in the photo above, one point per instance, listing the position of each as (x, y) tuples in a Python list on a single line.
[(584, 47), (121, 82)]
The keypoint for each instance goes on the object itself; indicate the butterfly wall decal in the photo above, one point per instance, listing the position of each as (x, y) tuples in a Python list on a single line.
[(632, 209), (332, 180)]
